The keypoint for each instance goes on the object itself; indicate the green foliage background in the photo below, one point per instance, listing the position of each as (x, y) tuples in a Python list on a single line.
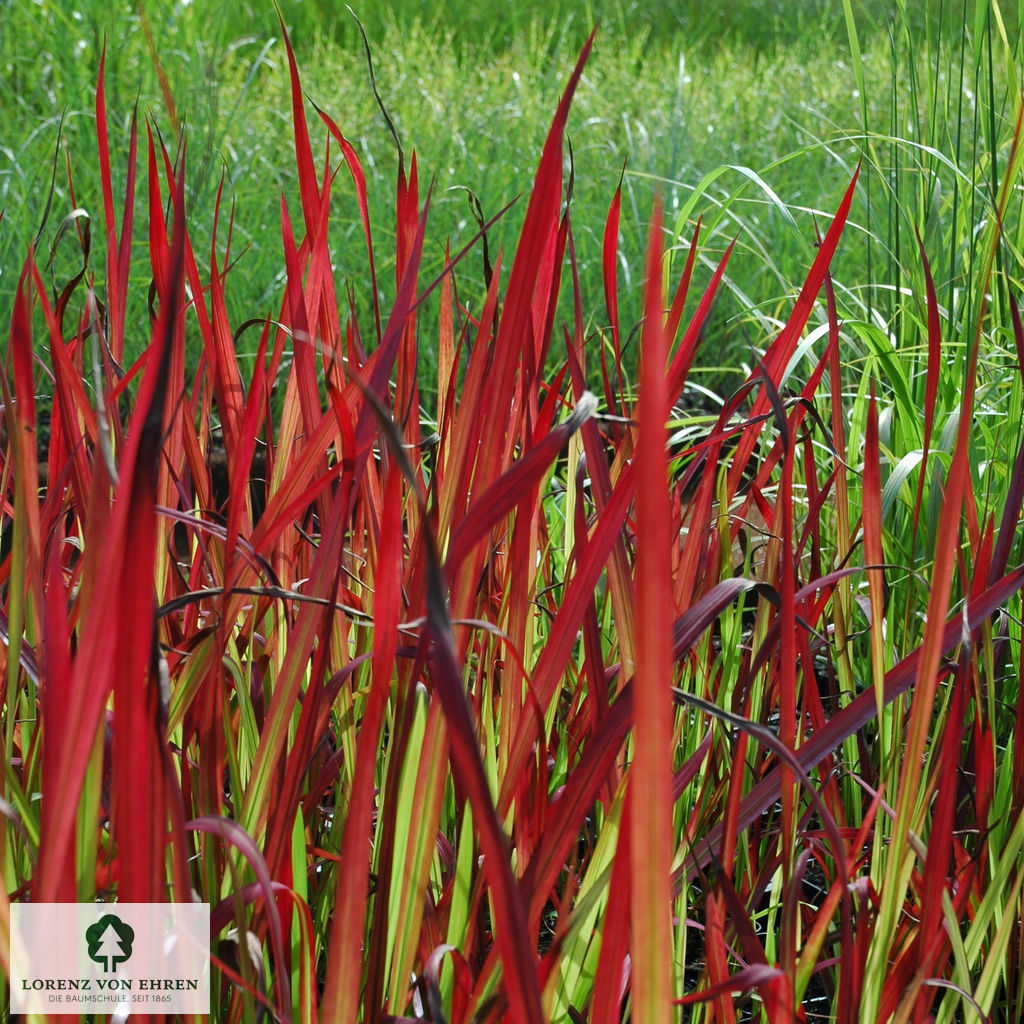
[(673, 92)]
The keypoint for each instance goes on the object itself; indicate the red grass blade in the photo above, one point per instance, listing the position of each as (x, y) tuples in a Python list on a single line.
[(302, 382), (232, 832), (567, 812), (861, 710), (687, 349), (932, 937), (516, 345), (308, 189), (22, 423), (510, 932), (139, 796), (355, 169), (118, 253), (406, 251), (54, 702), (512, 487), (345, 946), (92, 680), (754, 976), (1015, 494), (675, 314), (614, 965), (650, 778), (780, 351), (562, 635), (610, 256)]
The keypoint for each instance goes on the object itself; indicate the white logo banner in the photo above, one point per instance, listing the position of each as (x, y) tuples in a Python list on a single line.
[(137, 958)]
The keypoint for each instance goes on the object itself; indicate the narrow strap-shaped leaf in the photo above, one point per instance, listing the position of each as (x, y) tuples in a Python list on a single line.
[(232, 832), (861, 710), (345, 947), (614, 965), (780, 351), (510, 931), (651, 840), (506, 492), (139, 792), (609, 263), (355, 169), (308, 189)]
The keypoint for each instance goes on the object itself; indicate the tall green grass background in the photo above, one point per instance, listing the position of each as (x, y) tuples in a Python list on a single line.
[(752, 117)]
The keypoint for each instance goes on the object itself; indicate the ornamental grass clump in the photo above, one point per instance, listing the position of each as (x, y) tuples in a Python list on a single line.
[(468, 696)]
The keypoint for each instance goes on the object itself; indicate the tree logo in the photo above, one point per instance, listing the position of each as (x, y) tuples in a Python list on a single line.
[(110, 941)]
